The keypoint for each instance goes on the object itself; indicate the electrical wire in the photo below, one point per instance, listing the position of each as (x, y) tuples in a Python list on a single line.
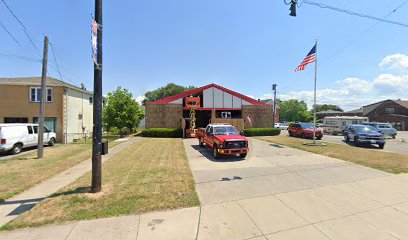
[(321, 5), (26, 32), (56, 62), (362, 34), (24, 58), (22, 25), (9, 33)]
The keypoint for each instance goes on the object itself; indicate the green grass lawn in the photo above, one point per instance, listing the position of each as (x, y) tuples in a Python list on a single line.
[(378, 159), (24, 171), (152, 174)]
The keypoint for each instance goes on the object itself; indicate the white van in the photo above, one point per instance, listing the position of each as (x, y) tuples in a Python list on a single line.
[(16, 136), (336, 125)]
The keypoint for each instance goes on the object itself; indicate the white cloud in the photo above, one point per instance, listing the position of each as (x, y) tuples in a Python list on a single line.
[(140, 99), (355, 85), (352, 93), (391, 83), (396, 61)]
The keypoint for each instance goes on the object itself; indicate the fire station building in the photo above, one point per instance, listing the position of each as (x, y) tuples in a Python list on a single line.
[(215, 104)]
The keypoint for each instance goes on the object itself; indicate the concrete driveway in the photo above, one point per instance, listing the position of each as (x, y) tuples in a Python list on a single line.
[(283, 193)]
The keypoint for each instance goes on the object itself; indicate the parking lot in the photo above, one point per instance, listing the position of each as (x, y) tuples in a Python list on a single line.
[(398, 145)]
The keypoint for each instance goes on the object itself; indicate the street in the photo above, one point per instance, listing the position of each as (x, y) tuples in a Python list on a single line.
[(398, 145)]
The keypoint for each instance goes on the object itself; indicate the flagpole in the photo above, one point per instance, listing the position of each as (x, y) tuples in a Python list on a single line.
[(314, 106)]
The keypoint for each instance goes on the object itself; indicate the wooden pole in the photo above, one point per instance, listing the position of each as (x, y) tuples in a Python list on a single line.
[(40, 151)]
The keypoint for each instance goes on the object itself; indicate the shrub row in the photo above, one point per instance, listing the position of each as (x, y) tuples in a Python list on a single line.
[(250, 132), (163, 132)]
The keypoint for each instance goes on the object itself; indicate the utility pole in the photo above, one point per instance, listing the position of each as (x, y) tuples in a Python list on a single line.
[(97, 107), (274, 103), (40, 151)]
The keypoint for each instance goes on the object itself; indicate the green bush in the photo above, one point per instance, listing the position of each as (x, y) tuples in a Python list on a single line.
[(163, 132), (250, 132)]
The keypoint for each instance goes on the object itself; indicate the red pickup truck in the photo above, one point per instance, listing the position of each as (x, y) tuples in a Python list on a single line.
[(223, 139)]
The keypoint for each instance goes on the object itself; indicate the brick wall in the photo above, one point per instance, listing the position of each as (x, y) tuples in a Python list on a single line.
[(399, 118), (163, 116), (261, 116)]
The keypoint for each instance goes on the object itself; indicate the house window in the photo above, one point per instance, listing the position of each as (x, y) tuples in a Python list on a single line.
[(49, 122), (389, 110), (15, 120), (90, 100), (80, 116), (35, 94)]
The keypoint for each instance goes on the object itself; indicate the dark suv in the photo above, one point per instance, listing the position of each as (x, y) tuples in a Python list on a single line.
[(363, 134), (304, 130)]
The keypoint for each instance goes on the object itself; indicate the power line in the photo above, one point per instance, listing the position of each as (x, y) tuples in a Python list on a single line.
[(24, 58), (321, 5), (9, 33), (363, 33), (26, 32), (56, 62), (22, 25)]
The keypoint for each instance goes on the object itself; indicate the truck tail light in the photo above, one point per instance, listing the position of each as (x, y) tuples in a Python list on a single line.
[(3, 141)]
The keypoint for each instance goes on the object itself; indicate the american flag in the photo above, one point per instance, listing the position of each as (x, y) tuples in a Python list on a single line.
[(311, 57)]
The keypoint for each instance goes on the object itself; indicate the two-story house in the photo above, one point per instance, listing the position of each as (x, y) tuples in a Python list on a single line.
[(68, 108)]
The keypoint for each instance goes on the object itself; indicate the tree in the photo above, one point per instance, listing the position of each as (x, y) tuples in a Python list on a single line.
[(294, 110), (168, 90), (327, 107), (121, 112)]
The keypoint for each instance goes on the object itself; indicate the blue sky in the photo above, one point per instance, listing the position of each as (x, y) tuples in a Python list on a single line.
[(242, 45)]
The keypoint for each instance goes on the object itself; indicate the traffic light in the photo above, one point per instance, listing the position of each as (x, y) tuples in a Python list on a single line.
[(293, 8)]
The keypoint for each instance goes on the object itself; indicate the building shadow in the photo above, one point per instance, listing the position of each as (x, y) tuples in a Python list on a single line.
[(207, 153), (24, 205)]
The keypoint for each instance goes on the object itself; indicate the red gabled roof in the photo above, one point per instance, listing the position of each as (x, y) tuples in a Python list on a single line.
[(197, 90)]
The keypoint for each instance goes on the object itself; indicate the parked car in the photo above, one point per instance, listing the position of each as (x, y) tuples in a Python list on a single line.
[(363, 134), (223, 139), (281, 126), (335, 125), (304, 130), (384, 128), (16, 136)]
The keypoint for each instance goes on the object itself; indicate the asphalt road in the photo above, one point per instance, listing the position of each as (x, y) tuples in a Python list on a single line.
[(398, 145)]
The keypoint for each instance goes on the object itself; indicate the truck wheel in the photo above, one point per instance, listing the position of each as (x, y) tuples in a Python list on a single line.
[(51, 142), (381, 145), (302, 135), (200, 142), (347, 138), (16, 148), (215, 152), (243, 155), (290, 134), (394, 136)]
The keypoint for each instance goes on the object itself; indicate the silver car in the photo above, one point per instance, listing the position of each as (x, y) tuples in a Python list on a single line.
[(384, 128)]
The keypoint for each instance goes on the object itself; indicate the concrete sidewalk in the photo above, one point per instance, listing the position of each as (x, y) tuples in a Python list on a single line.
[(26, 200), (276, 193), (368, 209)]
